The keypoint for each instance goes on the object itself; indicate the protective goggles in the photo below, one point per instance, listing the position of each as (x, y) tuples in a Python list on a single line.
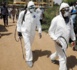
[(32, 7), (65, 9)]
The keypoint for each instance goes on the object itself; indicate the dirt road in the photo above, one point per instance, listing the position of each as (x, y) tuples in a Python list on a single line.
[(11, 53)]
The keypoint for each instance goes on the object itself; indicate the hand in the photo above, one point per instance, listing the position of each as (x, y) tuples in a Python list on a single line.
[(73, 44), (19, 34), (40, 36)]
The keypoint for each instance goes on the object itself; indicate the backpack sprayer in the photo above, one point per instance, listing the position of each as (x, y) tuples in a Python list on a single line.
[(62, 39)]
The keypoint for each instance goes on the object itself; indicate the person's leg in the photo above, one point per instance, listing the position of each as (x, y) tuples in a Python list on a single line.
[(9, 15), (4, 20), (53, 56), (16, 16), (13, 18), (28, 52), (0, 35), (62, 58)]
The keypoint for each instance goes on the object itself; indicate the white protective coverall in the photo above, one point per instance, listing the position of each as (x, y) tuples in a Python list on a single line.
[(58, 28), (39, 13), (27, 28)]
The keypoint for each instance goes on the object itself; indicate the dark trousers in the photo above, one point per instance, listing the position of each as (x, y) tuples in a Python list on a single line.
[(5, 19)]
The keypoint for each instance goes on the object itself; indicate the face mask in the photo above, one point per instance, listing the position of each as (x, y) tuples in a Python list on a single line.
[(31, 10), (66, 14)]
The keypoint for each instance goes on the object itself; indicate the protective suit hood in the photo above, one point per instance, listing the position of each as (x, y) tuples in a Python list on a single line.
[(63, 5), (30, 4), (66, 11)]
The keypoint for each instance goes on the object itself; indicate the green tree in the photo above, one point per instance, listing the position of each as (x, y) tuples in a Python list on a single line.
[(69, 1), (7, 1)]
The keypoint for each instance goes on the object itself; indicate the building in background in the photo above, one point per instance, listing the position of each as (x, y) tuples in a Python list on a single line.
[(18, 2), (43, 3)]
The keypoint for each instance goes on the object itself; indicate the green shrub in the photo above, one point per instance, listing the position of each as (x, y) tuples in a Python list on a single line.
[(49, 14)]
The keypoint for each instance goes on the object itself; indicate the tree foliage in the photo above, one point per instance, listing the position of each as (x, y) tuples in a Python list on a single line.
[(69, 1)]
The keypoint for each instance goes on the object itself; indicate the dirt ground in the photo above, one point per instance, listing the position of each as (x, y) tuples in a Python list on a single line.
[(11, 52)]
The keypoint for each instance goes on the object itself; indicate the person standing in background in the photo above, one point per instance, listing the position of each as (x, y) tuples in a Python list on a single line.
[(39, 13), (13, 12), (4, 12)]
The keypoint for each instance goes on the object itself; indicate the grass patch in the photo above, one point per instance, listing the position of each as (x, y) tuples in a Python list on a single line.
[(45, 27)]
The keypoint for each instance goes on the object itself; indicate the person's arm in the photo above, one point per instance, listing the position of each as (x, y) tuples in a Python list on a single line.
[(7, 11), (52, 30), (72, 35), (39, 27), (19, 22)]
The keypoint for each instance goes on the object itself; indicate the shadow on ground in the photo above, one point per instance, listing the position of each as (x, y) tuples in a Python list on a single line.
[(3, 29), (10, 25), (5, 34), (71, 62), (40, 53)]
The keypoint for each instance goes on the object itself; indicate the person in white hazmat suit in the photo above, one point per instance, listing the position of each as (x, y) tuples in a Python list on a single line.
[(39, 13), (61, 25), (26, 29)]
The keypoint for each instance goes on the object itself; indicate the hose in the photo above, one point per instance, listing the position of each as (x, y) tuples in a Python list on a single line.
[(17, 40)]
